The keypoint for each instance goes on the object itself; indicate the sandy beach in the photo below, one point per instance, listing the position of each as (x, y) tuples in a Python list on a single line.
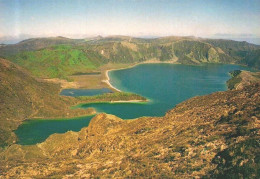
[(130, 101), (107, 80), (98, 81)]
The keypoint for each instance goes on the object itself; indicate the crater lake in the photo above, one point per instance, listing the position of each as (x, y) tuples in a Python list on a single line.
[(164, 85)]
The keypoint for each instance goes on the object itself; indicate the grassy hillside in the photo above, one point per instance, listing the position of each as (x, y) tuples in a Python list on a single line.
[(252, 59), (23, 97), (111, 97), (185, 50), (57, 61), (213, 136), (242, 52), (47, 58)]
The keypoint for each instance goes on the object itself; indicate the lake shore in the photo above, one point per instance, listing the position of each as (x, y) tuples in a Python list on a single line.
[(107, 81), (130, 101), (99, 79), (153, 61), (61, 118)]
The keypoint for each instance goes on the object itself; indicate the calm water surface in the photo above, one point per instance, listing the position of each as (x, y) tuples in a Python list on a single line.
[(165, 85), (35, 131)]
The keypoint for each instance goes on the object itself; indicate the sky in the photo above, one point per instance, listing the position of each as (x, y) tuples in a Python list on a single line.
[(142, 18)]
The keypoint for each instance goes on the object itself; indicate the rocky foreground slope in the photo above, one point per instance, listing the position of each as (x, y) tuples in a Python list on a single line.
[(213, 136)]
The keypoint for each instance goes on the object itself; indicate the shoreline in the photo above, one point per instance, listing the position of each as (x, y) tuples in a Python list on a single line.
[(107, 79), (59, 118), (130, 101), (118, 101)]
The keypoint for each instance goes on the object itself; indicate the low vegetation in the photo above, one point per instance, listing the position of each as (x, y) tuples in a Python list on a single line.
[(242, 78), (110, 97), (234, 80)]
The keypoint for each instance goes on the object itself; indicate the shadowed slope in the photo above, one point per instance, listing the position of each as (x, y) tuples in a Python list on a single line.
[(23, 97)]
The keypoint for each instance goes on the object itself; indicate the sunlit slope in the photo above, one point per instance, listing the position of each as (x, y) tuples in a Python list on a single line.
[(57, 61)]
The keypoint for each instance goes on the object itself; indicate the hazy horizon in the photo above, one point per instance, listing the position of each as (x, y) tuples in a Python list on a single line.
[(14, 40), (236, 20)]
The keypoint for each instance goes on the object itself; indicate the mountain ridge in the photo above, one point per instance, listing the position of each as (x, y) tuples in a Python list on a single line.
[(92, 54)]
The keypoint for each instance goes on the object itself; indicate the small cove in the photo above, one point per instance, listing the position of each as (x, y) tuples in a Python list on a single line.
[(165, 85), (35, 131)]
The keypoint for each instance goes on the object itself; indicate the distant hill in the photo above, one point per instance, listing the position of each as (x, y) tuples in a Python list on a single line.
[(242, 52), (23, 97), (60, 57), (36, 44), (2, 45)]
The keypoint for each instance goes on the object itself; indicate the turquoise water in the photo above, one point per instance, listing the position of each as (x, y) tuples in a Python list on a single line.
[(35, 131), (85, 92), (165, 85)]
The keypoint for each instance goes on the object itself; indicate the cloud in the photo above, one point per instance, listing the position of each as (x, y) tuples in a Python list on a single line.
[(241, 35)]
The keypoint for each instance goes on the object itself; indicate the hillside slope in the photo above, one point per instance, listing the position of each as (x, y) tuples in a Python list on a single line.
[(213, 136), (23, 97), (57, 61), (61, 57), (240, 79)]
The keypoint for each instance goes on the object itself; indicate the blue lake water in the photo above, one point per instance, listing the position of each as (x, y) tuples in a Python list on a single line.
[(35, 131), (165, 85)]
